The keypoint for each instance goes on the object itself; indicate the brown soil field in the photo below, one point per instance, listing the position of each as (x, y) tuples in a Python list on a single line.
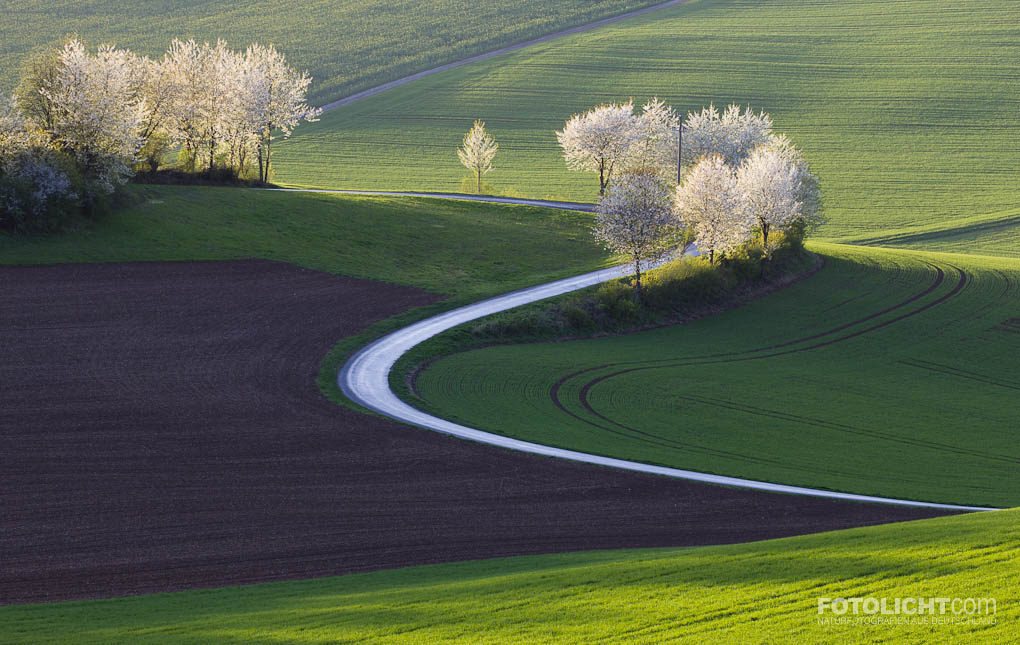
[(161, 429)]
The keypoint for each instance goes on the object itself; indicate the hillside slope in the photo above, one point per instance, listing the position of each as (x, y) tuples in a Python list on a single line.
[(347, 46), (906, 110)]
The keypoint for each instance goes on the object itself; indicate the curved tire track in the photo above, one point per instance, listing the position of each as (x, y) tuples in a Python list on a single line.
[(584, 392)]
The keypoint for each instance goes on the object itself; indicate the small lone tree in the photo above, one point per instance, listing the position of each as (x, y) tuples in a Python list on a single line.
[(635, 218), (477, 152), (709, 202), (599, 140)]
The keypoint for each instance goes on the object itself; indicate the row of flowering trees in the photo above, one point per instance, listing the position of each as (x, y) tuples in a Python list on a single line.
[(80, 123), (739, 180)]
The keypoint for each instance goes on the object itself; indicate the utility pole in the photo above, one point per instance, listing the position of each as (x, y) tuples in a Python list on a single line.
[(679, 150)]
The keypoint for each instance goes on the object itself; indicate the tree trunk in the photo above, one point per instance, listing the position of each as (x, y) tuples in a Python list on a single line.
[(269, 151), (637, 280), (602, 179), (478, 176), (764, 246), (711, 256)]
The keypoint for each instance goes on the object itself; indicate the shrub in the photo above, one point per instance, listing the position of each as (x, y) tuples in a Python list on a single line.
[(576, 316), (617, 299), (40, 191), (745, 262), (469, 186), (683, 283)]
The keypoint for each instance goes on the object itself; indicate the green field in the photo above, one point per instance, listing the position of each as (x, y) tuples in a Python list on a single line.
[(766, 592), (908, 111), (460, 248), (346, 46), (888, 373)]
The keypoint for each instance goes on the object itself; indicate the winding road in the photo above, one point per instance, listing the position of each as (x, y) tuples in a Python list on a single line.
[(365, 380), (163, 431), (365, 377)]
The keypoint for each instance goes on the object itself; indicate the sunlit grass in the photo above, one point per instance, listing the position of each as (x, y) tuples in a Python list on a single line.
[(459, 248), (765, 592)]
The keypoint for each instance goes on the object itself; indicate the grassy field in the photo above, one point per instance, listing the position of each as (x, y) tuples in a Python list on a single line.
[(908, 111), (346, 46), (765, 592), (887, 373), (464, 249)]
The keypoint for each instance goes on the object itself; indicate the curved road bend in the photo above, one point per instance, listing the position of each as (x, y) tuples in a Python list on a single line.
[(365, 377), (365, 380)]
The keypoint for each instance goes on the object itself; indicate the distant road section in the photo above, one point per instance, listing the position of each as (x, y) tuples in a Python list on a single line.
[(490, 199), (496, 52)]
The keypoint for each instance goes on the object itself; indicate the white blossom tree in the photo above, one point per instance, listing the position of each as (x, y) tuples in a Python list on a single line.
[(97, 111), (635, 218), (158, 89), (477, 152), (655, 142), (732, 134), (808, 191), (768, 182), (709, 203), (14, 132), (274, 98), (599, 140), (206, 97), (233, 104)]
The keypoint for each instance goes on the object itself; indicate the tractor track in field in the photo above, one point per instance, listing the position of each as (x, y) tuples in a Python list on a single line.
[(949, 370), (555, 389), (584, 392)]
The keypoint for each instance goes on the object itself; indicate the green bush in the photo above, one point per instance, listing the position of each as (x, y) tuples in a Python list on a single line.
[(683, 283), (41, 191), (671, 292), (616, 298), (745, 263), (469, 186), (576, 316)]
